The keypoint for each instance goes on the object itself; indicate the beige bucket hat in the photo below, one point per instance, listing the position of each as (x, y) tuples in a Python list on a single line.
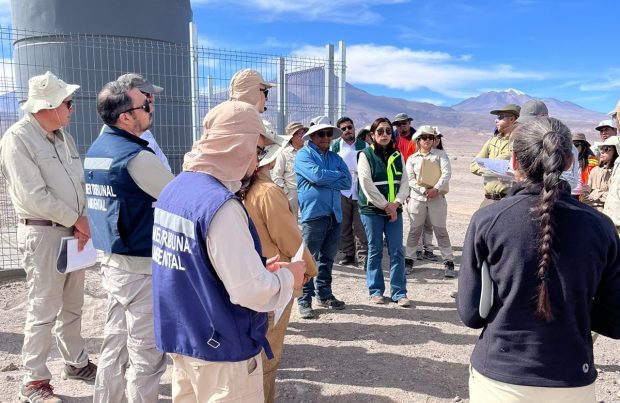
[(46, 92)]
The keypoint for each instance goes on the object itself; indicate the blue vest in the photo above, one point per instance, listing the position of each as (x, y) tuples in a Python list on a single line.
[(192, 311), (120, 214)]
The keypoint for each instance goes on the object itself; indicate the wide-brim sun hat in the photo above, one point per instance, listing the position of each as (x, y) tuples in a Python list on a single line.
[(46, 92), (336, 132), (274, 150), (611, 141), (424, 129), (581, 137)]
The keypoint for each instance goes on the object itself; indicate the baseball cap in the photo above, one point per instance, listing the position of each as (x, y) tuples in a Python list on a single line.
[(532, 109), (508, 108), (401, 117), (135, 80)]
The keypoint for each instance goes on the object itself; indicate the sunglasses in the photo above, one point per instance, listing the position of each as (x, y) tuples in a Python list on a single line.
[(265, 91), (425, 137), (345, 128), (607, 149), (399, 124), (69, 104), (261, 152), (323, 133), (146, 107), (577, 144), (380, 131), (503, 116), (146, 94)]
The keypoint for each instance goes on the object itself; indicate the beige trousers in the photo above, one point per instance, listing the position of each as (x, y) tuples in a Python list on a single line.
[(436, 210), (54, 299), (275, 337), (195, 380), (426, 243), (129, 362), (486, 390)]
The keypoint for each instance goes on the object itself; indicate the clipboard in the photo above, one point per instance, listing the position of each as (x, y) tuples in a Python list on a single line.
[(487, 293), (430, 172)]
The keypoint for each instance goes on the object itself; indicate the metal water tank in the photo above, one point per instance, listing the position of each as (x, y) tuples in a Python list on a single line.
[(91, 42)]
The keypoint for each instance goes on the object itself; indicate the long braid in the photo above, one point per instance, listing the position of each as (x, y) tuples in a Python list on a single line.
[(542, 159)]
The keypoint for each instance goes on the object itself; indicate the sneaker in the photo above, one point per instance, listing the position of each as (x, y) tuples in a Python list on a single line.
[(449, 265), (419, 255), (404, 302), (331, 303), (429, 255), (38, 392), (377, 299), (347, 260), (453, 294), (306, 311), (86, 373)]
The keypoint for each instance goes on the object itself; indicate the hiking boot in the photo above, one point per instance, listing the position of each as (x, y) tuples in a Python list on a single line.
[(347, 260), (306, 311), (38, 392), (449, 265), (86, 373), (331, 303), (429, 255), (419, 255), (377, 299), (404, 302)]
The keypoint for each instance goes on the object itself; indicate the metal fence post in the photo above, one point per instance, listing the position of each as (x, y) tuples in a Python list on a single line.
[(282, 112), (195, 85), (342, 79), (329, 82)]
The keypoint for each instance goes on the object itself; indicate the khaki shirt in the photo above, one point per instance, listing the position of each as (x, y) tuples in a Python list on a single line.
[(495, 148), (414, 163), (276, 226), (594, 193), (283, 172), (612, 204), (43, 172)]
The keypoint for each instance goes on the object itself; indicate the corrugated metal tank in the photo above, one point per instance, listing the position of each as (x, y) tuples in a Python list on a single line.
[(91, 42)]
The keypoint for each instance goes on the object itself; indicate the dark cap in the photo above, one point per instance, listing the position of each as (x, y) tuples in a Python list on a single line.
[(533, 108), (508, 108), (401, 117), (137, 81)]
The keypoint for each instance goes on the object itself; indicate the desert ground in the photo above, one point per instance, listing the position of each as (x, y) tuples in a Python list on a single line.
[(366, 353)]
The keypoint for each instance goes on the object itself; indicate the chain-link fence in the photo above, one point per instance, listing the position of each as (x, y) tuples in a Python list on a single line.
[(194, 78)]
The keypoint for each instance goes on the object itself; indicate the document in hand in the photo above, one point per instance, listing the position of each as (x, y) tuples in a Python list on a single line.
[(496, 169), (430, 172), (69, 259), (298, 256), (487, 292)]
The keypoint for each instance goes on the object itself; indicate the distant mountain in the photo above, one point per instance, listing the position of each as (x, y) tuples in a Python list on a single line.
[(468, 117)]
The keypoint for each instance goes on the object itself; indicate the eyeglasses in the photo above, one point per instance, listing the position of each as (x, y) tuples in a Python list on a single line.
[(345, 128), (503, 116), (577, 144), (399, 124), (323, 133), (69, 104), (425, 137), (146, 94), (380, 131), (265, 91), (606, 149), (146, 107), (261, 152)]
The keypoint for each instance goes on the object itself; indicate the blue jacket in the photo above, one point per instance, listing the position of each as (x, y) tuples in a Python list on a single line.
[(120, 214), (192, 311), (320, 178), (516, 346)]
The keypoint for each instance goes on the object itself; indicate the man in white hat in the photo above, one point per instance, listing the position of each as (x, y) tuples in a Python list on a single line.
[(606, 129), (321, 175), (612, 204), (44, 176), (123, 180), (211, 285), (283, 173)]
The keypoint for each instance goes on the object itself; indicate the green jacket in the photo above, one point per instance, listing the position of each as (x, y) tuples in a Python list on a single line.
[(359, 145), (386, 177)]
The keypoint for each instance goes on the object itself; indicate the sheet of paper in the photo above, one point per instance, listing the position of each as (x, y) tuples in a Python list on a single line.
[(69, 259), (499, 167), (298, 256)]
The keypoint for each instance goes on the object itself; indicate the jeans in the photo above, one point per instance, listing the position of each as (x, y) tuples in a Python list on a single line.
[(321, 237), (377, 225)]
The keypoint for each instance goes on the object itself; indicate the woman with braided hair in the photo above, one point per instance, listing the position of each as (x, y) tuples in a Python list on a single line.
[(554, 268)]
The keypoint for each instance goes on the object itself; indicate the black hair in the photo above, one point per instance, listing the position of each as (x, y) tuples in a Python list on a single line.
[(543, 148), (112, 100), (610, 164), (342, 120), (382, 151)]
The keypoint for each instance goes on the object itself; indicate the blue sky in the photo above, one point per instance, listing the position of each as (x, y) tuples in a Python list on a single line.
[(439, 51)]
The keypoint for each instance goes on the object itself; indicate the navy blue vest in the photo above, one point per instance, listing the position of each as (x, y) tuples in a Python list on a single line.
[(120, 214), (192, 311)]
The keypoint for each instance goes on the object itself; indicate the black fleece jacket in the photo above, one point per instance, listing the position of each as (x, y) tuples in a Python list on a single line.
[(515, 345)]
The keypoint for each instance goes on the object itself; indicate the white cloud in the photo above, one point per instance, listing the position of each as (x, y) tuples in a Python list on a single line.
[(352, 12), (5, 13), (410, 70), (437, 102)]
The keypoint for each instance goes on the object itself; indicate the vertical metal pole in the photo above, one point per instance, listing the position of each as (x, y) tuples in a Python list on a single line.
[(282, 104), (329, 83), (195, 86), (209, 92), (342, 84)]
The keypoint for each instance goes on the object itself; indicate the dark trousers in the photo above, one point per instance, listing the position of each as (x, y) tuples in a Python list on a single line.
[(353, 240)]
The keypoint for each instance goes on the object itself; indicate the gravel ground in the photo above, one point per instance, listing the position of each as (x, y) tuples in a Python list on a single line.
[(366, 353)]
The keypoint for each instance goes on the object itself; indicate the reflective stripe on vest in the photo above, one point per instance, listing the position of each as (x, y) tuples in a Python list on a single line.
[(390, 175)]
